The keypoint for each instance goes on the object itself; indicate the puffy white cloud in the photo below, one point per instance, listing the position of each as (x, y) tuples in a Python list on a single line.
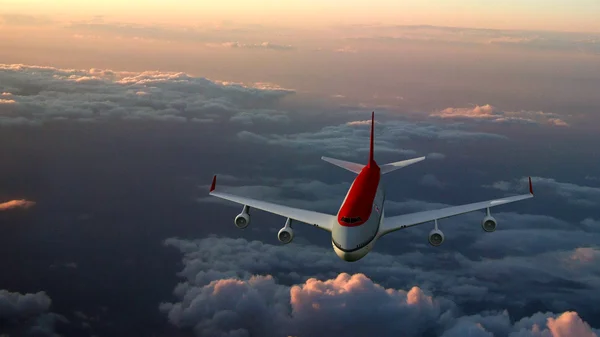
[(233, 287), (22, 203), (45, 94), (493, 114)]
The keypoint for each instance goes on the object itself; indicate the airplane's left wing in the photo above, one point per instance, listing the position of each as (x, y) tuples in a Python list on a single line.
[(320, 220), (395, 223)]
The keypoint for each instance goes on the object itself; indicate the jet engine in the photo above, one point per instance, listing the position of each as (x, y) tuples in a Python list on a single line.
[(286, 234), (243, 219), (436, 237), (489, 223)]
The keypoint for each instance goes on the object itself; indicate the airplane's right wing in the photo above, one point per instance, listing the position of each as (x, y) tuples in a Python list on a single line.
[(395, 223)]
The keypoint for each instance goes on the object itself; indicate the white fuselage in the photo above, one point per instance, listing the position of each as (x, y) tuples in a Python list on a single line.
[(353, 243)]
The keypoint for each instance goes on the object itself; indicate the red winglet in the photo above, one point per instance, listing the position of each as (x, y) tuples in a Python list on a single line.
[(530, 186), (214, 183)]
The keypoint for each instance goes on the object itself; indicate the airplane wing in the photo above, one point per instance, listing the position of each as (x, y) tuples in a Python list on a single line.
[(395, 223), (320, 220)]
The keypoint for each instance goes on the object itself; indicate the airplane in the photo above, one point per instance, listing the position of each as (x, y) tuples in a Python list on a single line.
[(361, 220)]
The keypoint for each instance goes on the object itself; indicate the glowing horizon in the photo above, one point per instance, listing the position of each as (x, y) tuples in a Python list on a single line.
[(557, 15)]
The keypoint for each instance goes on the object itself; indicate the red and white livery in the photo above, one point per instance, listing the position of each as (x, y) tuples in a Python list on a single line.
[(361, 219)]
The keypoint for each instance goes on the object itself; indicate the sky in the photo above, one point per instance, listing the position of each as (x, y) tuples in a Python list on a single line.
[(114, 117), (529, 14)]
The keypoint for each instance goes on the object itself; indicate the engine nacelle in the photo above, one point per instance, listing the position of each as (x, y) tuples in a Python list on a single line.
[(286, 235), (489, 224), (436, 237), (242, 220)]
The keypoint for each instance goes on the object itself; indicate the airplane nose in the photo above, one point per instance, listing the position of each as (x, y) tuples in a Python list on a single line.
[(348, 257)]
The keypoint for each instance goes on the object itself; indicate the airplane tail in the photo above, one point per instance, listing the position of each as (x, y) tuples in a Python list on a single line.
[(387, 168)]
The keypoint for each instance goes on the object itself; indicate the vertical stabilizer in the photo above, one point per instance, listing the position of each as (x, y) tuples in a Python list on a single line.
[(371, 161)]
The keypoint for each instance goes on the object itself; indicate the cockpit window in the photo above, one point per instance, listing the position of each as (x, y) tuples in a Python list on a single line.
[(351, 220)]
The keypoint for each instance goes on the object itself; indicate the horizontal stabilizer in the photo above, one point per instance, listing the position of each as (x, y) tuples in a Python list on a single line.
[(352, 167), (387, 168)]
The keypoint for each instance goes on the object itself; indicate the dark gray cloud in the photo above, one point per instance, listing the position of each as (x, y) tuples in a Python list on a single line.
[(431, 180), (17, 306), (248, 117), (36, 95), (28, 314), (231, 287), (45, 325), (436, 156)]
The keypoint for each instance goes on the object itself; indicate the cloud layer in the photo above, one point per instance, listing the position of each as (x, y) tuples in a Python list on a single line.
[(352, 138), (584, 196), (582, 43), (241, 288), (35, 95)]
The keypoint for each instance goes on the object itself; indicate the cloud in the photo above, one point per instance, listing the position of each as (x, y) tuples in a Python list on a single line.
[(45, 325), (207, 34), (234, 287), (46, 94), (584, 196), (431, 180), (27, 314), (25, 204), (12, 19), (436, 156), (585, 43), (352, 138), (18, 306), (248, 117), (589, 222), (263, 45), (493, 114), (346, 50)]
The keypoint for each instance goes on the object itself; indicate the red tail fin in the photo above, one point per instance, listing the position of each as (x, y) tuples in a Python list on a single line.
[(371, 148)]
